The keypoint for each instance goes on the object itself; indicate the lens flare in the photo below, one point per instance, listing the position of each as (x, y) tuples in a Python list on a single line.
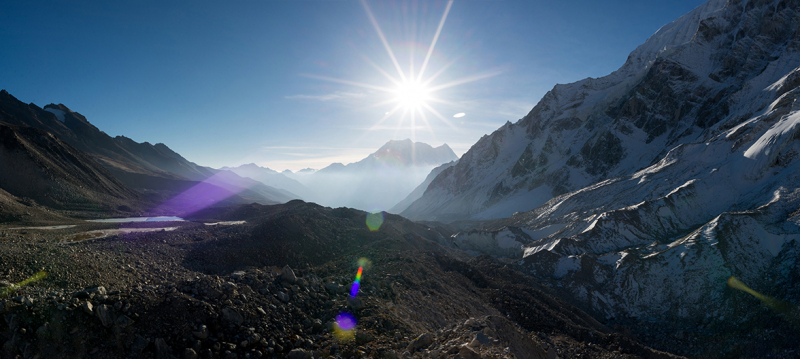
[(364, 263), (346, 321), (344, 327), (356, 283), (772, 303), (375, 220), (34, 278)]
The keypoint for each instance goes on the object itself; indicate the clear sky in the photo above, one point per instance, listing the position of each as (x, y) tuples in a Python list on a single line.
[(296, 84)]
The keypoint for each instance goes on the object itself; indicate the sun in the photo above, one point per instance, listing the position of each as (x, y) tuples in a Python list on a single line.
[(411, 95)]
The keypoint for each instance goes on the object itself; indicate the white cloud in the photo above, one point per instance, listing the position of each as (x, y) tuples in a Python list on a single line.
[(459, 115)]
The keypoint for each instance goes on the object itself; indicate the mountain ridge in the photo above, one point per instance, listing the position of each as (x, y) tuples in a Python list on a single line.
[(380, 180), (41, 169), (594, 129), (653, 194), (156, 170)]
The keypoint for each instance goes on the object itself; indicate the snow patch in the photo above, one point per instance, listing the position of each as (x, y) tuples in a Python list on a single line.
[(770, 139), (59, 114)]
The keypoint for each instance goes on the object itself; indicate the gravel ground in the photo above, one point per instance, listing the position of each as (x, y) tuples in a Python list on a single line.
[(274, 287)]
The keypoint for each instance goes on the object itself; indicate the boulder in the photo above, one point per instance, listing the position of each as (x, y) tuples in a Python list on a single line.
[(231, 316), (420, 342), (287, 275)]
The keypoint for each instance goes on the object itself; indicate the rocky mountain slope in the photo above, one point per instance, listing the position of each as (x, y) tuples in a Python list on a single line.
[(659, 185), (119, 154), (154, 170), (711, 70), (37, 167), (379, 181)]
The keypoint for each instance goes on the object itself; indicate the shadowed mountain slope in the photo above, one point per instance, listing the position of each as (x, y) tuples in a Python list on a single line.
[(155, 170), (39, 166)]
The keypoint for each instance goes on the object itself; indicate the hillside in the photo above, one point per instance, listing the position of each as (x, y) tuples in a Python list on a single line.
[(40, 168)]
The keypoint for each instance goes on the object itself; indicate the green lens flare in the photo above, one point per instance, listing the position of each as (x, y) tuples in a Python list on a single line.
[(365, 263), (374, 221), (772, 303), (34, 278)]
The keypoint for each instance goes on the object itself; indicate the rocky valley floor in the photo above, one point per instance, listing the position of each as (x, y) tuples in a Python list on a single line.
[(274, 286)]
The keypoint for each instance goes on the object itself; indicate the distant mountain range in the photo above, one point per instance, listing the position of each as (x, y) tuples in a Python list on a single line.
[(378, 182), (143, 172), (272, 178)]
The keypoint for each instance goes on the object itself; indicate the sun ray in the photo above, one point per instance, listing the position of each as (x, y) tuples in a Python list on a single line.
[(347, 82), (437, 114), (441, 71), (387, 115), (435, 99), (427, 123), (400, 123), (384, 103), (465, 80), (411, 90), (391, 78), (377, 125), (435, 39), (412, 51), (383, 39)]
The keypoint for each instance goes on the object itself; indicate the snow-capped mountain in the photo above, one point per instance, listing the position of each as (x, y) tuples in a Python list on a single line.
[(704, 72), (380, 180), (647, 189)]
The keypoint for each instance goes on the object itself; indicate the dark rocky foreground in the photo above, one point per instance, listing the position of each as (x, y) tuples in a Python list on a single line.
[(273, 287)]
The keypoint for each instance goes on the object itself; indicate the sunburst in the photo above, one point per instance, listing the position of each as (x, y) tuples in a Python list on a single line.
[(411, 95)]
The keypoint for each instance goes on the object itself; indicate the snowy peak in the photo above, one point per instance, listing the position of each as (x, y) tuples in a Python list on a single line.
[(378, 182), (63, 113), (639, 194), (673, 35), (702, 74), (56, 111), (251, 170), (408, 153)]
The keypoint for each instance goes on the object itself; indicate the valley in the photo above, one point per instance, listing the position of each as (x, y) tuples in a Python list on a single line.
[(650, 213), (159, 289)]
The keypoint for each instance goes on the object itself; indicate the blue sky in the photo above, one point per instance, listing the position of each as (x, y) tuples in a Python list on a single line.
[(295, 84)]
